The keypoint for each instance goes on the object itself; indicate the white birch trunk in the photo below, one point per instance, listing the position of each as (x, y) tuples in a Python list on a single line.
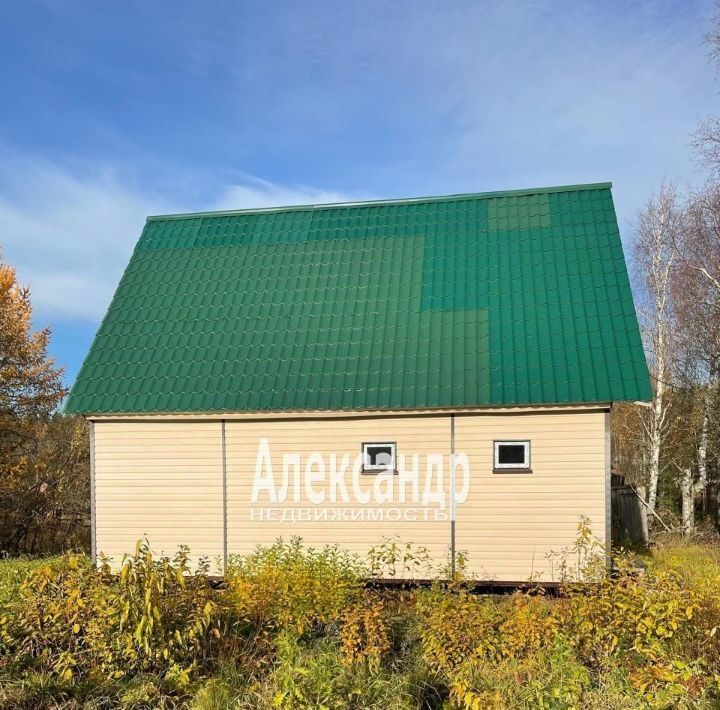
[(656, 425), (701, 485), (656, 251), (688, 502)]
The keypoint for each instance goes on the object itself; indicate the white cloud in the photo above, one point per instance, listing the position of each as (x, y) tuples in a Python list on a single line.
[(68, 236), (582, 95), (478, 96), (70, 233), (255, 192)]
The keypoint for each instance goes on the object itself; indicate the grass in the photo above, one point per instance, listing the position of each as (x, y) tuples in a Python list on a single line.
[(283, 636), (14, 569), (695, 562)]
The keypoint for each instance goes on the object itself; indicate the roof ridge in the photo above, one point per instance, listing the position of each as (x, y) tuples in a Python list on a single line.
[(398, 201)]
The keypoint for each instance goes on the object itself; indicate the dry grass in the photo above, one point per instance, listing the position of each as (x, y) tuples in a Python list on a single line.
[(631, 642)]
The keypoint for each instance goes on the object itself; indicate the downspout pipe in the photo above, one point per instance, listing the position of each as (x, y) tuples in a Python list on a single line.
[(452, 495)]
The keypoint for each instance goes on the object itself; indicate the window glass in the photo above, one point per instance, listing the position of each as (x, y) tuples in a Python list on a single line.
[(378, 457), (512, 454)]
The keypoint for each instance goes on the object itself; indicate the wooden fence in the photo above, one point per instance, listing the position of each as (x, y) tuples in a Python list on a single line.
[(629, 517)]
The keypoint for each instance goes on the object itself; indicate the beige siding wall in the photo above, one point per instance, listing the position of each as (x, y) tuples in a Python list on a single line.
[(165, 479), (511, 522), (419, 435), (160, 479)]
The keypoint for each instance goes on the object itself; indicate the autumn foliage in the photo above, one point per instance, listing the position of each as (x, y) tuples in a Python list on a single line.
[(44, 474), (158, 634), (30, 384)]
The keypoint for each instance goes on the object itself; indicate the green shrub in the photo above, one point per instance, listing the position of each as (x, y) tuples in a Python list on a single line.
[(78, 623), (392, 558), (313, 676), (12, 573), (365, 632), (643, 616), (660, 628), (456, 627), (230, 687), (554, 678), (288, 586), (696, 568)]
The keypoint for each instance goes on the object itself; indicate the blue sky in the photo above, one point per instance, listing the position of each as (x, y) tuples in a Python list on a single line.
[(112, 111)]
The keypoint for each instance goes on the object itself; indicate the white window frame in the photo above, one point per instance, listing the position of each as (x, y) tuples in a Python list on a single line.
[(525, 466), (368, 468)]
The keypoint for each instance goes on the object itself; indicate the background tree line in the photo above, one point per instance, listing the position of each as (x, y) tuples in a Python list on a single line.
[(671, 449), (44, 455)]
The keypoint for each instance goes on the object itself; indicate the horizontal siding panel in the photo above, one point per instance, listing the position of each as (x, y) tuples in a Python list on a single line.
[(411, 434), (163, 481), (159, 517), (512, 522), (152, 496), (161, 470)]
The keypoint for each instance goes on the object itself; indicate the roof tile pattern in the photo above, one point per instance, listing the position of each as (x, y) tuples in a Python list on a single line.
[(471, 300)]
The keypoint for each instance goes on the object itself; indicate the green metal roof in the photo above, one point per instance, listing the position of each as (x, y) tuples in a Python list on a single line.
[(501, 298)]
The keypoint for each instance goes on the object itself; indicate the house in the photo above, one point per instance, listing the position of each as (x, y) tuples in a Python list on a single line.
[(441, 369)]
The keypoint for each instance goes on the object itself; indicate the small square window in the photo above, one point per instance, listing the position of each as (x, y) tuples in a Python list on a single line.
[(512, 455), (379, 458)]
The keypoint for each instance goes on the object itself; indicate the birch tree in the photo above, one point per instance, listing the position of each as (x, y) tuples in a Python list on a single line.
[(698, 289), (659, 225), (697, 303)]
